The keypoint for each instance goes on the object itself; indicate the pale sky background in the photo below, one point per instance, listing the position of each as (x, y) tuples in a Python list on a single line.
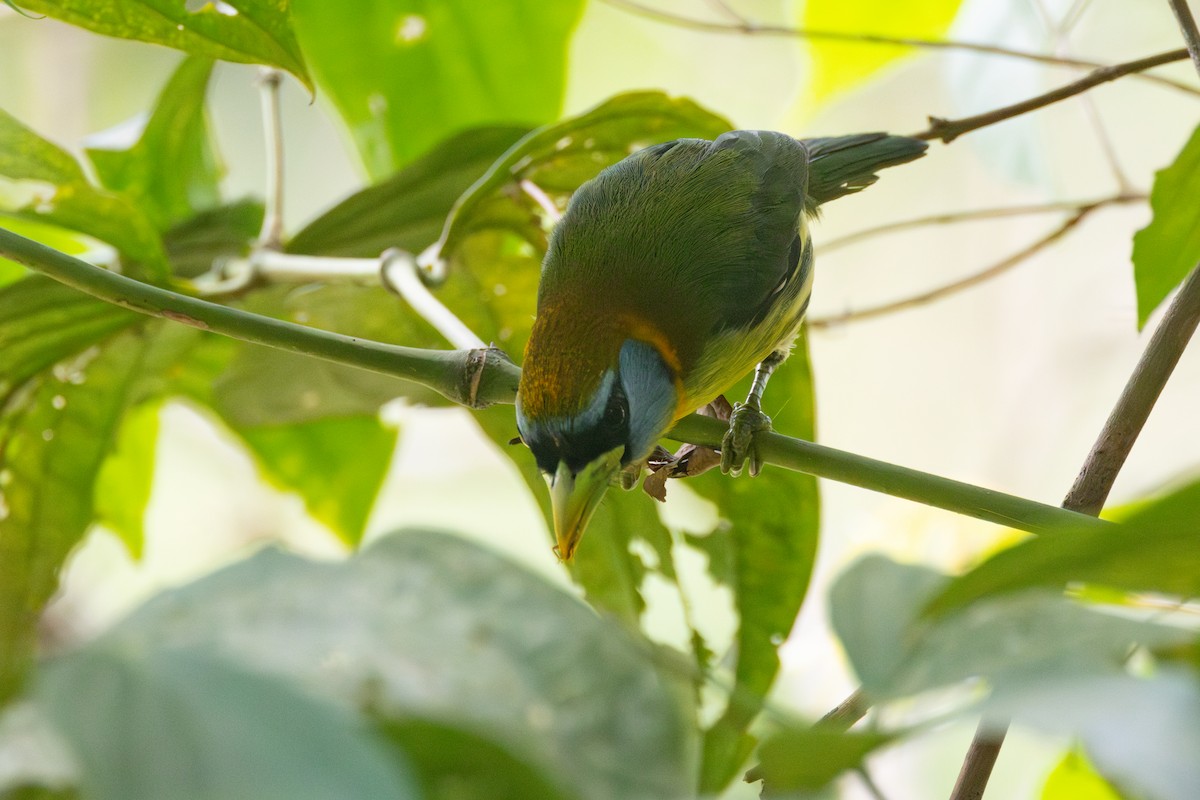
[(1004, 385)]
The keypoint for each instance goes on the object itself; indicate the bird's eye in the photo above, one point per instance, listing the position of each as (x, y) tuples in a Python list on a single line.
[(616, 412)]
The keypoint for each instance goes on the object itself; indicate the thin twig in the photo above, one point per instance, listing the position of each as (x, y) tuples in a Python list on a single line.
[(1096, 478), (954, 287), (475, 377), (847, 713), (973, 215), (399, 272), (948, 130), (271, 236), (745, 27)]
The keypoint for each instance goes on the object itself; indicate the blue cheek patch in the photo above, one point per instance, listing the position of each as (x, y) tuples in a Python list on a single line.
[(650, 390)]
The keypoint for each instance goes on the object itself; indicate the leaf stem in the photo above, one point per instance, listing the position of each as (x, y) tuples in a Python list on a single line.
[(269, 81)]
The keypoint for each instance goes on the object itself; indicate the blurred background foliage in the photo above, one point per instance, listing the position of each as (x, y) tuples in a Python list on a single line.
[(345, 589)]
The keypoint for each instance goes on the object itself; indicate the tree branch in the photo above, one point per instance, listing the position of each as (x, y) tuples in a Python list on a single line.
[(480, 377), (746, 27), (954, 287), (948, 130), (1112, 447)]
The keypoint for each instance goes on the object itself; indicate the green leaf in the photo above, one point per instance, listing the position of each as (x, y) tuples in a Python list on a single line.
[(43, 322), (396, 71), (197, 244), (1133, 728), (1074, 778), (245, 31), (456, 764), (805, 759), (126, 477), (337, 465), (558, 158), (261, 386), (408, 209), (877, 612), (773, 526), (1167, 249), (836, 66), (42, 182), (171, 172), (428, 625), (156, 723), (1157, 549), (54, 435)]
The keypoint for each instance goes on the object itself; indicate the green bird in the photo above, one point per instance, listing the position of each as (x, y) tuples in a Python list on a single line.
[(670, 276)]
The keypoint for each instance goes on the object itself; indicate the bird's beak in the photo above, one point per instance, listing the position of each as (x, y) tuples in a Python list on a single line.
[(575, 497)]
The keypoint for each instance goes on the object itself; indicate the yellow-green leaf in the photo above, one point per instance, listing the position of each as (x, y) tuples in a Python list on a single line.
[(840, 65), (1074, 778)]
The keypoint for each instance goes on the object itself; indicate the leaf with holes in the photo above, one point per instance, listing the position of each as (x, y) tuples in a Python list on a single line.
[(245, 31), (406, 74)]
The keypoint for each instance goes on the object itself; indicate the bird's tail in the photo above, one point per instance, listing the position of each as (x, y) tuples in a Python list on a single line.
[(840, 165)]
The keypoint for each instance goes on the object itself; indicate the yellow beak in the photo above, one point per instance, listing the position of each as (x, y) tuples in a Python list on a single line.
[(574, 498)]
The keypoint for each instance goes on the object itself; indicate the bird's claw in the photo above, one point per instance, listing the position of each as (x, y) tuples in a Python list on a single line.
[(738, 447)]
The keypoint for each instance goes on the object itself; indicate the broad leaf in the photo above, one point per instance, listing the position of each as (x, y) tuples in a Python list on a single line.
[(197, 244), (336, 464), (560, 157), (1074, 778), (455, 764), (1134, 729), (171, 172), (247, 31), (1167, 249), (876, 609), (396, 69), (54, 435), (772, 522), (1157, 549), (805, 759), (156, 723), (430, 626), (42, 182), (840, 65), (126, 478), (408, 209)]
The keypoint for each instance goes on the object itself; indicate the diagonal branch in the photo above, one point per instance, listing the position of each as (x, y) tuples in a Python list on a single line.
[(948, 130), (479, 377), (746, 27)]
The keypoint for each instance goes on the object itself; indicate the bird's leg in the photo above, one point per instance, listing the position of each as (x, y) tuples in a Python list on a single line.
[(747, 420)]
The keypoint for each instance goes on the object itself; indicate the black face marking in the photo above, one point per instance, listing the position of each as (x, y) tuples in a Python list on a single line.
[(577, 442)]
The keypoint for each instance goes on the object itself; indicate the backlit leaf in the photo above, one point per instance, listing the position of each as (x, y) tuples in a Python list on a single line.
[(804, 759), (399, 75), (1167, 249)]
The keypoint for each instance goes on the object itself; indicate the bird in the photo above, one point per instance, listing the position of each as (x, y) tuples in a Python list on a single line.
[(671, 274)]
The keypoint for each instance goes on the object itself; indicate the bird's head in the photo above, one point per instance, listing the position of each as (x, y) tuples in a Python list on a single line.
[(596, 395)]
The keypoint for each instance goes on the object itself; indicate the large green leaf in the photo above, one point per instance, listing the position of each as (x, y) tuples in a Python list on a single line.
[(43, 182), (408, 209), (1167, 249), (1157, 549), (54, 434), (431, 626), (805, 759), (406, 74), (156, 723), (836, 66), (558, 158), (1074, 778), (896, 652), (248, 31), (195, 245), (126, 477), (772, 523), (171, 172), (336, 464)]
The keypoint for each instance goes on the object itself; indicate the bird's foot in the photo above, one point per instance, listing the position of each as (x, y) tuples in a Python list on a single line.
[(738, 447)]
